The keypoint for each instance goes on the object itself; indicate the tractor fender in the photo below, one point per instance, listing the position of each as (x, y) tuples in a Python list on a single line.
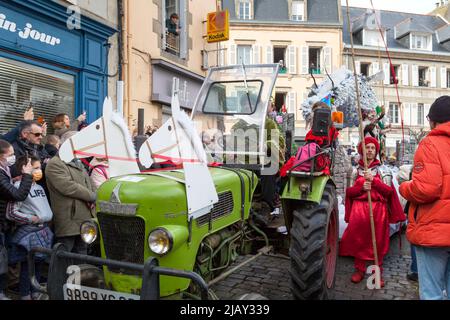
[(292, 195)]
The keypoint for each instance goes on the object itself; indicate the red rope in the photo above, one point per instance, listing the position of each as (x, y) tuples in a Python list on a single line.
[(157, 156), (395, 81)]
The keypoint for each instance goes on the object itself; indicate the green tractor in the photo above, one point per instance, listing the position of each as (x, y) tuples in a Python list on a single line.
[(198, 219)]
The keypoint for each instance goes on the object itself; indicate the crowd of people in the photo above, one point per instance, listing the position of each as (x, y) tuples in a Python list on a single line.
[(43, 200)]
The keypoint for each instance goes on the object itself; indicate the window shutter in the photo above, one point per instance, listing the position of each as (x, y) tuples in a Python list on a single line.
[(443, 77), (221, 55), (405, 74), (184, 34), (375, 68), (305, 60), (292, 103), (387, 73), (292, 60), (433, 81), (415, 76), (407, 115), (426, 110), (358, 67), (414, 119), (327, 53), (232, 54), (256, 54), (269, 54)]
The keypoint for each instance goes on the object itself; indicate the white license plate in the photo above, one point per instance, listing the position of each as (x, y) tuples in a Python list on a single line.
[(75, 292)]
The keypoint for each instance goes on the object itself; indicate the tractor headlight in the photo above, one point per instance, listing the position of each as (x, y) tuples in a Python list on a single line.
[(88, 231), (160, 241)]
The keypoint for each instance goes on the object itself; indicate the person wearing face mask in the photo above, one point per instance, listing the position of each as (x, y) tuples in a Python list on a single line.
[(9, 193), (32, 216)]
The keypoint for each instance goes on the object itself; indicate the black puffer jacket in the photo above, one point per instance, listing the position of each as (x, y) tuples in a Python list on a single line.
[(9, 193)]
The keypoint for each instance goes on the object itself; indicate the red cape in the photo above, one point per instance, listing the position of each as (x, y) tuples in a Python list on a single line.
[(357, 239)]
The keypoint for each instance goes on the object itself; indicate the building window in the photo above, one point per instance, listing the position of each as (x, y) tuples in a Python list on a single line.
[(244, 54), (279, 56), (420, 116), (173, 27), (392, 79), (393, 113), (365, 67), (373, 38), (448, 78), (419, 42), (22, 85), (280, 100), (244, 9), (298, 11), (423, 82), (314, 60)]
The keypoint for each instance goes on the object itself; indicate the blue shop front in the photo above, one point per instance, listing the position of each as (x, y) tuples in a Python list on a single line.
[(49, 62)]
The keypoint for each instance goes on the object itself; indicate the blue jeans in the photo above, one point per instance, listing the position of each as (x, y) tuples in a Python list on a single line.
[(413, 260), (434, 272)]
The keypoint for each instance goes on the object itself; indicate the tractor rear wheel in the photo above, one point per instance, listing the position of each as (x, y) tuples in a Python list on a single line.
[(314, 246)]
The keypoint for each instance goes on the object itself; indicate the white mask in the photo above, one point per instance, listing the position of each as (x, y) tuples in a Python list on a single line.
[(11, 160)]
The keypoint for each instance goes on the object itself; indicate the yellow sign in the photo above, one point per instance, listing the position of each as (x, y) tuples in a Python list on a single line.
[(218, 27)]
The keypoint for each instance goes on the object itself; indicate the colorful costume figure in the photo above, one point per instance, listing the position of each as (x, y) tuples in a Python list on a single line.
[(356, 240)]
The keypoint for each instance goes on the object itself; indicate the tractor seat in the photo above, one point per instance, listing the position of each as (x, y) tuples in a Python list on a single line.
[(299, 174)]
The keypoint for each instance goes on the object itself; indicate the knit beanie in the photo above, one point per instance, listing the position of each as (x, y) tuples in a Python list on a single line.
[(440, 110)]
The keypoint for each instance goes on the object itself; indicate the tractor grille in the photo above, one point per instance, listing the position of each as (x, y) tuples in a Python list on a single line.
[(123, 238), (222, 208)]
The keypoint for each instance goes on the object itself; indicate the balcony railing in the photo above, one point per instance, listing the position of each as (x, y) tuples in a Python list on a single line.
[(172, 44)]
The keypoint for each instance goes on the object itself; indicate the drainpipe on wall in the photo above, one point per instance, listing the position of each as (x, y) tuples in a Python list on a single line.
[(125, 69)]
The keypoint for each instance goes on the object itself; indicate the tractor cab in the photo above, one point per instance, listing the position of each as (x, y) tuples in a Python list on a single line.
[(230, 114)]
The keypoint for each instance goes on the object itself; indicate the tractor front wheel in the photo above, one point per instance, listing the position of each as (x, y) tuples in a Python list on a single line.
[(314, 246)]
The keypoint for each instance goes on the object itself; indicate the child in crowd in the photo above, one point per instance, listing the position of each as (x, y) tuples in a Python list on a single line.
[(53, 144), (32, 217)]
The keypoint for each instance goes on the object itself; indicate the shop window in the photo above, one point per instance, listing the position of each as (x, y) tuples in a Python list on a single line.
[(365, 67), (279, 56), (23, 85)]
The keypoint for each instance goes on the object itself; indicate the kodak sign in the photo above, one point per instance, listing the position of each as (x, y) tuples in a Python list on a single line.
[(218, 27)]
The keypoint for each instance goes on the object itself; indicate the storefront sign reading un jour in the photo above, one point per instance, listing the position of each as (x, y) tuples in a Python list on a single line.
[(27, 31)]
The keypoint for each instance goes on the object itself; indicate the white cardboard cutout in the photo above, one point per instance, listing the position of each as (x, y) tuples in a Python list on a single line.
[(106, 137), (178, 140)]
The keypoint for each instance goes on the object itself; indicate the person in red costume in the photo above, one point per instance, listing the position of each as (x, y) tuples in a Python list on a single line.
[(357, 238)]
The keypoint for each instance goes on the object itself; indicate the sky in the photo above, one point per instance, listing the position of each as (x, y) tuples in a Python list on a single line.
[(413, 6)]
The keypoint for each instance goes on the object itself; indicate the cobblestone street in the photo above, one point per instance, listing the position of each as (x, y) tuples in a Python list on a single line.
[(269, 276)]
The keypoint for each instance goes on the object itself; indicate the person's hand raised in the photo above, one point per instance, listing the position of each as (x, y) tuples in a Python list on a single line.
[(44, 129), (28, 168), (367, 186), (82, 117), (29, 114)]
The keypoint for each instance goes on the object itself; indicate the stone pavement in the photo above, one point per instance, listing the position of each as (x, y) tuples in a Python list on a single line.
[(269, 276)]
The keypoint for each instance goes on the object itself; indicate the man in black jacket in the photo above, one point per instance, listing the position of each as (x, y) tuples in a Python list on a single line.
[(9, 193), (29, 143)]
